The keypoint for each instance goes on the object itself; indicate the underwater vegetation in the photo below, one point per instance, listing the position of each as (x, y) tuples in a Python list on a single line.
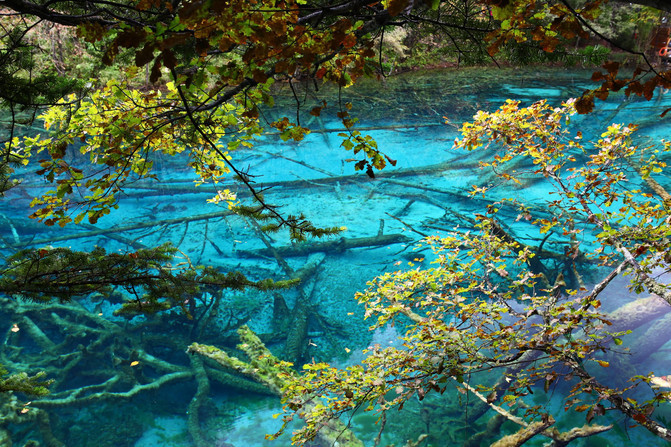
[(118, 356)]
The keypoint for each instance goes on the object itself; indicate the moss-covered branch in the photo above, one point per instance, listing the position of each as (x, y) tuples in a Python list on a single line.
[(262, 366), (265, 368)]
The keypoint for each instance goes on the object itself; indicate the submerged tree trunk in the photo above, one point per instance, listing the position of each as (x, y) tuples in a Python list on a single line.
[(337, 246)]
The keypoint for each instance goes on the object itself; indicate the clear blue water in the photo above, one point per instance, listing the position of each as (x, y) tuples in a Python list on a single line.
[(406, 117)]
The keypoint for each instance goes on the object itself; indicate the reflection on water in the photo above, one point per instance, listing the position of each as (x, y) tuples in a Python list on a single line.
[(84, 347)]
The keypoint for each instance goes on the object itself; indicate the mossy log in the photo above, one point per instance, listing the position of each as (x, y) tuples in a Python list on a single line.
[(267, 369), (240, 383), (94, 337), (262, 366), (523, 435), (530, 430), (13, 412), (297, 326), (193, 410), (337, 246), (38, 336), (297, 332), (297, 329), (492, 429), (80, 396)]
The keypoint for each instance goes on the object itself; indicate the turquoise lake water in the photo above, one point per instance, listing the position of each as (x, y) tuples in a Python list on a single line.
[(425, 193)]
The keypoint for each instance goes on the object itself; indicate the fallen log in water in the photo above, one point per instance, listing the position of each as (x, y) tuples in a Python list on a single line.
[(369, 128), (297, 327), (657, 335), (115, 237), (180, 187), (107, 231), (637, 313), (652, 183), (267, 369), (342, 244)]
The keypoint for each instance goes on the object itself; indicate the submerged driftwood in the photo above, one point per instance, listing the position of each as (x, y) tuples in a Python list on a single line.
[(113, 230), (456, 163), (296, 323), (627, 317), (267, 369), (657, 335), (336, 246), (107, 354)]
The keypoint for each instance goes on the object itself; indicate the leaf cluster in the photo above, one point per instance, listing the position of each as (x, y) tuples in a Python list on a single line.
[(214, 65), (35, 385), (489, 303), (552, 25)]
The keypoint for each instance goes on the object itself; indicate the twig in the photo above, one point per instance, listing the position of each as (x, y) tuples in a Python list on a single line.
[(407, 225)]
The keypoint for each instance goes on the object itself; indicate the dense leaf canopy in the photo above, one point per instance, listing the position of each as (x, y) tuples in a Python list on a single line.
[(193, 77)]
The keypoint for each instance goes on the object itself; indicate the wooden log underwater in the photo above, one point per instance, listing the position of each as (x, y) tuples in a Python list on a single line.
[(340, 245), (626, 317), (369, 128), (199, 399), (656, 336), (296, 322), (636, 313), (297, 327), (652, 183), (263, 367), (177, 187), (115, 237), (108, 354), (113, 230)]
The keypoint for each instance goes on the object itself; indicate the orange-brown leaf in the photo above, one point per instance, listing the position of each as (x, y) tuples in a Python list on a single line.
[(349, 41), (585, 104), (397, 6), (169, 59), (640, 418), (145, 55), (130, 38), (155, 74), (612, 66)]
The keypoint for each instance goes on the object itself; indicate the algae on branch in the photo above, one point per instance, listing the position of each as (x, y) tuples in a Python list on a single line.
[(267, 369)]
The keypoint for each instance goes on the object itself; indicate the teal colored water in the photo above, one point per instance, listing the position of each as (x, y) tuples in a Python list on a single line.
[(425, 193)]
